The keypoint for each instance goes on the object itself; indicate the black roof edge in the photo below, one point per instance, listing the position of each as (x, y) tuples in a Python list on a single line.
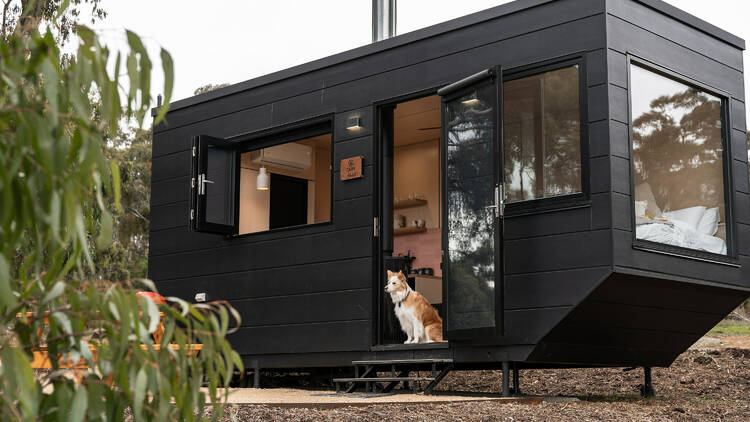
[(430, 31), (695, 22)]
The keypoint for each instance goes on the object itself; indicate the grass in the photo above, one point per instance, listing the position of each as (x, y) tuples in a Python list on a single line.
[(731, 328)]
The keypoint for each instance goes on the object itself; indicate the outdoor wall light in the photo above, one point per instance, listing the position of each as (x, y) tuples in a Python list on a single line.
[(353, 123), (470, 101)]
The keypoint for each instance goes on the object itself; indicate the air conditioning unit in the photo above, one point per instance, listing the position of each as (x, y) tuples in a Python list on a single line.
[(290, 156)]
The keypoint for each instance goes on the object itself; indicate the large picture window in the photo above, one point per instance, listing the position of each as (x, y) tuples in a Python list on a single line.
[(542, 135), (678, 163)]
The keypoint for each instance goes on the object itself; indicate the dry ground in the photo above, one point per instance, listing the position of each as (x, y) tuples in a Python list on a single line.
[(711, 383)]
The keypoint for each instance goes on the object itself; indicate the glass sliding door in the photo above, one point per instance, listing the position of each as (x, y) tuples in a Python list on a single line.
[(473, 206)]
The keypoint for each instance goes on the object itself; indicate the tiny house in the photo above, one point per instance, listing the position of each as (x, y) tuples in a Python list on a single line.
[(565, 181)]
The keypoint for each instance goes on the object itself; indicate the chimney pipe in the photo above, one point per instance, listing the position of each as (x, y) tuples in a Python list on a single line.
[(383, 19)]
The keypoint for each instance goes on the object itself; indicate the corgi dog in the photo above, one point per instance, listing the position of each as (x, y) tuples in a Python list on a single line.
[(419, 320)]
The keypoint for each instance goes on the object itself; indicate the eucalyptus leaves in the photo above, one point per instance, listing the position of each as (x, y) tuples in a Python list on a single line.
[(56, 187)]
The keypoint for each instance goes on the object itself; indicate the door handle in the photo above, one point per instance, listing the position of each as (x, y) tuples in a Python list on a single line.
[(202, 184), (499, 205)]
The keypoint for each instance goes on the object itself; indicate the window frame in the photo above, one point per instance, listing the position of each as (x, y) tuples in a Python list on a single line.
[(277, 135), (560, 202), (731, 258)]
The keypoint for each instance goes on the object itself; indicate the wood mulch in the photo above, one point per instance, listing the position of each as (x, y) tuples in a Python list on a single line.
[(701, 385)]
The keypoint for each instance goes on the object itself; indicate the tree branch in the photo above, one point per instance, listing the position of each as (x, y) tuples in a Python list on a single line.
[(6, 5), (138, 214)]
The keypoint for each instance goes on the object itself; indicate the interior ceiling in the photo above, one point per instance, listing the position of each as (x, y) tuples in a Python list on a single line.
[(417, 121), (320, 141)]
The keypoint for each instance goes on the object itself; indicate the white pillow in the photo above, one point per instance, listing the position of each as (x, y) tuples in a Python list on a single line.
[(690, 216), (640, 208), (709, 223)]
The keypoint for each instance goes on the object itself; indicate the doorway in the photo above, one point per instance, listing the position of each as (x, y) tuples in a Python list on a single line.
[(412, 202), (442, 206)]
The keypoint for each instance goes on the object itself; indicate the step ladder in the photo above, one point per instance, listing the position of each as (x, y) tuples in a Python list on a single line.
[(366, 372)]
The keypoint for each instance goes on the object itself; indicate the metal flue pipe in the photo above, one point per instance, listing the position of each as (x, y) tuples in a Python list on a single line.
[(383, 19)]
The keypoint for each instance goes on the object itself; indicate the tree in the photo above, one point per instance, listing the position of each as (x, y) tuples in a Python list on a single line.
[(208, 88), (57, 190), (132, 151), (677, 149), (25, 15)]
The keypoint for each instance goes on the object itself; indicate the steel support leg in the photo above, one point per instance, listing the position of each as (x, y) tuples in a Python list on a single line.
[(506, 379), (516, 382), (647, 390), (256, 377)]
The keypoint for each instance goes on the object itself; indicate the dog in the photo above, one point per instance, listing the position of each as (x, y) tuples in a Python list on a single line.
[(419, 320)]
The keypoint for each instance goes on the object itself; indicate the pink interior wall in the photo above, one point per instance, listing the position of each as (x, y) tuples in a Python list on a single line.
[(425, 246)]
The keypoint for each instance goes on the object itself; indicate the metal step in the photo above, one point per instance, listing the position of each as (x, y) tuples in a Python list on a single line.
[(383, 379), (400, 362)]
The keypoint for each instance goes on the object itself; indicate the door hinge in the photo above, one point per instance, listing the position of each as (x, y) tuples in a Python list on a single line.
[(192, 183), (192, 214), (193, 151), (375, 227)]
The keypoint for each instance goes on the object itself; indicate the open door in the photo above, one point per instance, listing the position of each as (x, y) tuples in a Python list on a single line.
[(473, 206), (215, 186)]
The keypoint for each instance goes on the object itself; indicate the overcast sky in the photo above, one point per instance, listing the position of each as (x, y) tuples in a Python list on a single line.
[(223, 41)]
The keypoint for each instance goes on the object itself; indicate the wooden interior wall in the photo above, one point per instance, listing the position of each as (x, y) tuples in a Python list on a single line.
[(416, 170), (310, 289)]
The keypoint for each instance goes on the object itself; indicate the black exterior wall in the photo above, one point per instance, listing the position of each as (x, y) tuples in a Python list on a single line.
[(306, 294)]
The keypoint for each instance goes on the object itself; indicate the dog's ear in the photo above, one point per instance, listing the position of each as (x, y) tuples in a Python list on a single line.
[(400, 272), (390, 273)]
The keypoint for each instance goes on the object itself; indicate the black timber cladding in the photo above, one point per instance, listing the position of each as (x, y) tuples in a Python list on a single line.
[(309, 290), (657, 305), (634, 29)]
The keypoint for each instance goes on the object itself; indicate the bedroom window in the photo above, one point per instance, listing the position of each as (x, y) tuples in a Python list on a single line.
[(542, 135), (678, 164)]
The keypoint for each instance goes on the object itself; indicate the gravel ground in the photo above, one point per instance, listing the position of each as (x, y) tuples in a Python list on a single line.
[(702, 385)]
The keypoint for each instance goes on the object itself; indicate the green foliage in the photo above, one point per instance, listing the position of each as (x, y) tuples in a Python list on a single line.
[(18, 15), (58, 193), (731, 328), (208, 88), (127, 257)]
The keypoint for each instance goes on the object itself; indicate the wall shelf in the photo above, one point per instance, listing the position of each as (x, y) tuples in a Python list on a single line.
[(409, 203), (408, 230)]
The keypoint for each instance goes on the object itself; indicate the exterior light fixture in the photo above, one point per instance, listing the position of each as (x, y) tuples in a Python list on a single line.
[(470, 101), (261, 182), (353, 123)]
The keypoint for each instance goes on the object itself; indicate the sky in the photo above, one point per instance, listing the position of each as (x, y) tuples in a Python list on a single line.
[(225, 41)]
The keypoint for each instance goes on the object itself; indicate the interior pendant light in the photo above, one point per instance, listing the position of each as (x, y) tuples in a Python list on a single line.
[(261, 182)]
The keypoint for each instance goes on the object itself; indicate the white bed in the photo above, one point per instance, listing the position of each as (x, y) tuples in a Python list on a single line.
[(692, 228)]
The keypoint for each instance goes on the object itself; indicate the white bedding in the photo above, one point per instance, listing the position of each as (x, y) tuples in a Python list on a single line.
[(678, 234)]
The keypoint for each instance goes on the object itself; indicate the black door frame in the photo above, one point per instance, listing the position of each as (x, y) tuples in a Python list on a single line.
[(492, 76)]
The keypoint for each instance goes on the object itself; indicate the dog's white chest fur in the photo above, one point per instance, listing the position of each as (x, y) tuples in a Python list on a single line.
[(410, 323), (407, 318)]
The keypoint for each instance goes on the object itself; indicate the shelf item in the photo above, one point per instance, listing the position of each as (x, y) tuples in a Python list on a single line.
[(433, 277), (409, 203), (408, 230)]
